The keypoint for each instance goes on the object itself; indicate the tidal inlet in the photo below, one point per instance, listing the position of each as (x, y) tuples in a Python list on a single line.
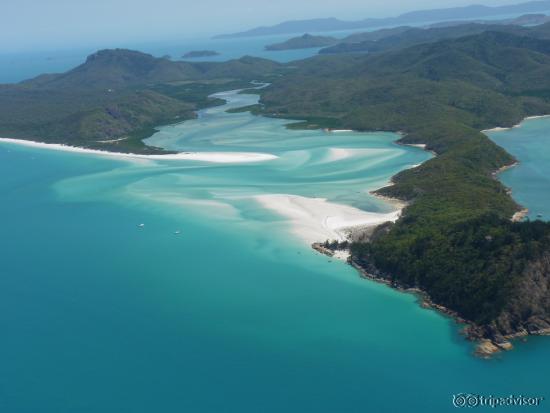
[(312, 215)]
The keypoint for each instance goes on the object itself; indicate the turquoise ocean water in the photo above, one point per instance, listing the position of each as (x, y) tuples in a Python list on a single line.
[(235, 314), (530, 180)]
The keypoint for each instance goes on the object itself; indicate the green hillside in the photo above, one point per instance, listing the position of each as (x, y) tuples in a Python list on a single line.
[(118, 95), (403, 37), (455, 240)]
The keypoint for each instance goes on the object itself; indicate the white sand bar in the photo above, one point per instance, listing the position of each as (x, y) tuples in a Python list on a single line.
[(316, 219), (216, 157), (500, 129)]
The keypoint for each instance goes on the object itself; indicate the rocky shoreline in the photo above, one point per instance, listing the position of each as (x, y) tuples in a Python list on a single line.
[(485, 347), (520, 215), (488, 342), (523, 212)]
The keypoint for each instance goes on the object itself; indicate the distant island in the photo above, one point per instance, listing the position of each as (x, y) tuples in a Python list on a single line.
[(307, 41), (404, 36), (531, 19), (422, 16), (200, 53)]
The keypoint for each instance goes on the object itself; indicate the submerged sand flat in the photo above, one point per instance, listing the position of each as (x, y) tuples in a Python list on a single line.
[(315, 184), (317, 219)]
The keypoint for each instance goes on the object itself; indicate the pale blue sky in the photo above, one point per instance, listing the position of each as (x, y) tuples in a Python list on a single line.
[(39, 24)]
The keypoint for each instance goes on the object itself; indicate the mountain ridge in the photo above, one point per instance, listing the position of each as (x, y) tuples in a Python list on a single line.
[(402, 37), (418, 16)]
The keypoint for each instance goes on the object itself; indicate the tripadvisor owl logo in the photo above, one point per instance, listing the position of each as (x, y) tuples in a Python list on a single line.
[(470, 400)]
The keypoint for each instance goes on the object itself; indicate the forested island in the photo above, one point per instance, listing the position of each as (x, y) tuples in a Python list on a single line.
[(117, 97), (194, 54), (405, 36), (416, 17), (456, 240)]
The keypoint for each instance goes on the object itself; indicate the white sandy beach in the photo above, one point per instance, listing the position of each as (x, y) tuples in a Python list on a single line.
[(537, 117), (417, 145), (316, 219), (215, 157), (500, 129)]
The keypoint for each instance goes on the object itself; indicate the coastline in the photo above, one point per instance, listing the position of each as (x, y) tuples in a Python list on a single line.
[(501, 128), (312, 219), (422, 146), (523, 212), (214, 157), (484, 347), (316, 212), (315, 219)]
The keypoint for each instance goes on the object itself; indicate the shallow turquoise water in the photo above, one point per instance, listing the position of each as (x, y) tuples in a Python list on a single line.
[(530, 180), (233, 315)]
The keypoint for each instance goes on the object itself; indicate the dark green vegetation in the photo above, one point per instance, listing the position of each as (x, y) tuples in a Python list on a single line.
[(402, 37), (199, 53), (303, 42), (455, 240), (117, 97)]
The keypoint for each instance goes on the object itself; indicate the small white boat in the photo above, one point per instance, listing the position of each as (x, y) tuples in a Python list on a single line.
[(177, 232), (141, 225)]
